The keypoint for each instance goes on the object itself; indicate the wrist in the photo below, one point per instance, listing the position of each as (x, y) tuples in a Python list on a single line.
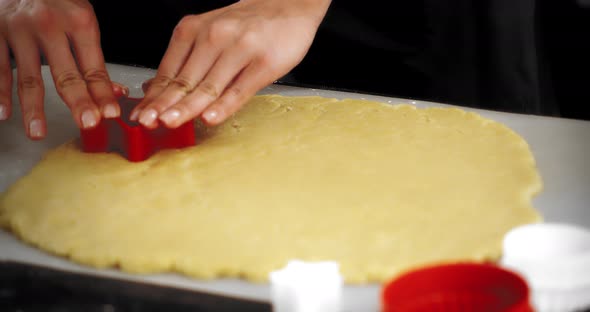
[(311, 8)]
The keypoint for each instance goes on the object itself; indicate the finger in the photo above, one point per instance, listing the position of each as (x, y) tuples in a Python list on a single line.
[(253, 78), (196, 67), (120, 90), (225, 69), (152, 89), (179, 49), (30, 83), (146, 85), (5, 81), (69, 82), (85, 39)]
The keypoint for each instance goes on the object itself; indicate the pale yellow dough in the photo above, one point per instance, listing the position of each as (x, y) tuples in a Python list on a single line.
[(375, 187)]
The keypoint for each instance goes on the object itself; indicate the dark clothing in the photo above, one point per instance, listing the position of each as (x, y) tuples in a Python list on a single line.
[(481, 53), (137, 32)]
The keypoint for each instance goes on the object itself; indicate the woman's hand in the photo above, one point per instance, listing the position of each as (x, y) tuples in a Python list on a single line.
[(216, 61), (66, 32)]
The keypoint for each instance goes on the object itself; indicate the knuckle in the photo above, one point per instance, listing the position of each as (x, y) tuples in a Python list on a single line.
[(265, 60), (186, 21), (68, 79), (96, 75), (159, 81), (183, 84), (17, 21), (44, 19), (155, 86), (222, 30), (8, 8), (184, 29), (249, 40), (180, 33), (30, 83), (87, 4), (83, 18), (208, 88), (234, 92)]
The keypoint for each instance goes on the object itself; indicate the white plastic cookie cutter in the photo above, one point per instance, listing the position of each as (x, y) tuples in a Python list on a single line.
[(307, 287), (555, 260)]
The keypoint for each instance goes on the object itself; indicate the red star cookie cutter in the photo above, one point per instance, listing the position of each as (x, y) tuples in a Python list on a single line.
[(131, 139)]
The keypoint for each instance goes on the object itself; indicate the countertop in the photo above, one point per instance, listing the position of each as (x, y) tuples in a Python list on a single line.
[(560, 146)]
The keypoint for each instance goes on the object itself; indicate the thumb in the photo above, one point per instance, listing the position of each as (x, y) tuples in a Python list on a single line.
[(120, 90)]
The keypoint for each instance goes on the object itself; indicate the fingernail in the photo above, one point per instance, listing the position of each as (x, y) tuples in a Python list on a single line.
[(134, 115), (88, 119), (124, 89), (36, 128), (170, 116), (210, 116), (3, 112), (110, 111), (148, 117)]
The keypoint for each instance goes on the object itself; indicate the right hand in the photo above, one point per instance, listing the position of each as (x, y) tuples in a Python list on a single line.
[(218, 60), (67, 32)]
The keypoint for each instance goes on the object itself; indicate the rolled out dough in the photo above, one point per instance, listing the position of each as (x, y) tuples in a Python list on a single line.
[(375, 187)]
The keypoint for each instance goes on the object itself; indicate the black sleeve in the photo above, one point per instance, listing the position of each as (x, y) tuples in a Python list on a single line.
[(520, 56), (482, 54), (137, 32)]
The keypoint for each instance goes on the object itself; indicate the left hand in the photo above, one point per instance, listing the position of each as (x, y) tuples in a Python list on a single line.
[(217, 60), (67, 33)]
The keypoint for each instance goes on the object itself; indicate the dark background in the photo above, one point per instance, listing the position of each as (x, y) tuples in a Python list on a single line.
[(367, 46)]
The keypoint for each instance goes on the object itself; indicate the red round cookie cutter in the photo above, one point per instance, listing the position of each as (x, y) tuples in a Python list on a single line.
[(457, 287), (131, 139)]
